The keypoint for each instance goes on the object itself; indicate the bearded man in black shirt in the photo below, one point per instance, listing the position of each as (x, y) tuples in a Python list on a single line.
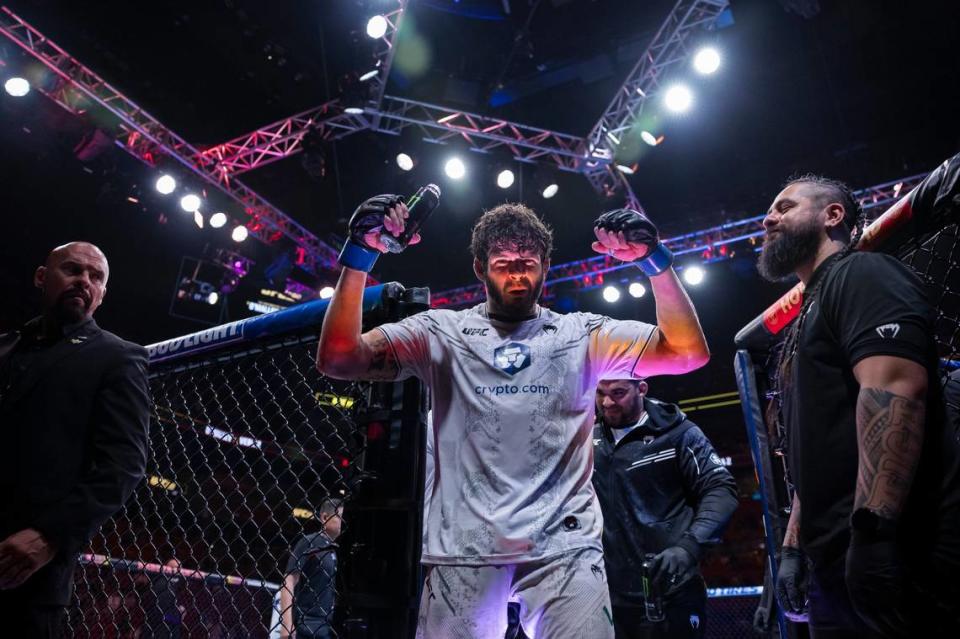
[(871, 462)]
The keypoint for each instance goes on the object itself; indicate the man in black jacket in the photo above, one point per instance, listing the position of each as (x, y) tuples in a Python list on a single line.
[(665, 497), (74, 413)]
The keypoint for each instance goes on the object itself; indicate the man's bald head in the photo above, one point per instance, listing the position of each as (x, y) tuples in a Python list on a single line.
[(73, 281)]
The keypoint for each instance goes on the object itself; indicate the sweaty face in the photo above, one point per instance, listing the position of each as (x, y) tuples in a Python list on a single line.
[(73, 282), (514, 281), (620, 402), (793, 233)]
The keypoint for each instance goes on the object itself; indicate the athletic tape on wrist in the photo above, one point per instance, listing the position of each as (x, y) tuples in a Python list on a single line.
[(358, 257), (659, 260)]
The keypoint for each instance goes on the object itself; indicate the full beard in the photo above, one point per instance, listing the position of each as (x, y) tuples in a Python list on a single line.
[(781, 255), (512, 306)]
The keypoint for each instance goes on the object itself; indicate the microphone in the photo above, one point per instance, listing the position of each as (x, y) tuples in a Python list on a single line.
[(420, 205)]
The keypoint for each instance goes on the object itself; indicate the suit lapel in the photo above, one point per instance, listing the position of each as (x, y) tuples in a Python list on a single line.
[(69, 346)]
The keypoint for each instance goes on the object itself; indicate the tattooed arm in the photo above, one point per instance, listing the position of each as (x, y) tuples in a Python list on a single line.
[(791, 538), (343, 353), (891, 409)]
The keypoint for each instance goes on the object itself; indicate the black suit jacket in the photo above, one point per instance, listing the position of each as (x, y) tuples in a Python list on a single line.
[(73, 428)]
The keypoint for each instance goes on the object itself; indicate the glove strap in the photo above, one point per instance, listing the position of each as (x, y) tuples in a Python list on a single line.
[(357, 256), (657, 261)]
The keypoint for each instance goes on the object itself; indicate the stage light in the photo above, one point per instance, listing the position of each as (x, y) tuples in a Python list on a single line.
[(404, 161), (217, 220), (505, 179), (239, 233), (17, 87), (636, 289), (326, 292), (369, 75), (377, 27), (190, 203), (166, 184), (693, 275), (455, 169), (550, 190), (678, 98), (213, 298), (198, 219), (611, 293), (649, 138), (707, 60), (628, 170), (354, 110)]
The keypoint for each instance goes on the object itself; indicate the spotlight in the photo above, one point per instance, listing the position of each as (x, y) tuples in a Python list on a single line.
[(17, 87), (404, 161), (455, 169), (636, 289), (693, 275), (239, 233), (678, 98), (611, 293), (369, 75), (649, 138), (166, 184), (326, 292), (627, 170), (213, 298), (377, 27), (354, 110), (550, 190), (218, 219), (505, 179), (707, 60), (190, 203), (198, 219)]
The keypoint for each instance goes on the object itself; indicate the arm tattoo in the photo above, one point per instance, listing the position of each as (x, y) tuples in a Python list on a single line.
[(890, 438), (383, 363), (792, 536)]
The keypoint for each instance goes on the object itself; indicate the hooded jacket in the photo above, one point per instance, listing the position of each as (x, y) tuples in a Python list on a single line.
[(662, 485)]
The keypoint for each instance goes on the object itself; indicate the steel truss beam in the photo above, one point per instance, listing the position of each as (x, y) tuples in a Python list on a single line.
[(589, 273), (146, 138)]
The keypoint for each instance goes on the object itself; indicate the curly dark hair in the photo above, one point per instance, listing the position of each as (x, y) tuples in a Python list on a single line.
[(513, 226)]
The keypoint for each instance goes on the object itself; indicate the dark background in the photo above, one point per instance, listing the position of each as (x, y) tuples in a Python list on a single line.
[(862, 90)]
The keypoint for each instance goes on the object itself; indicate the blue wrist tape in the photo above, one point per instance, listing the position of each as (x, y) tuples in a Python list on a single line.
[(656, 262), (358, 257)]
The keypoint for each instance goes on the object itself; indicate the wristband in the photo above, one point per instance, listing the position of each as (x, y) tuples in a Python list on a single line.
[(656, 262), (357, 256)]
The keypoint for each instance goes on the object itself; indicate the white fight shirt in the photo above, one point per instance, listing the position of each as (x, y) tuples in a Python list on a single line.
[(513, 413)]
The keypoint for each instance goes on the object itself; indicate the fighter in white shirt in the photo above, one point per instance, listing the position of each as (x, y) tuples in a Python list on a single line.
[(513, 514)]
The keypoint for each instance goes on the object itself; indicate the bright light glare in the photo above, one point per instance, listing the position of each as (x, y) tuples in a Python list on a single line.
[(648, 137), (505, 179), (190, 203), (213, 298), (166, 184), (678, 98), (455, 169), (326, 292), (198, 219), (637, 289), (550, 190), (611, 293), (218, 219), (376, 27), (17, 87), (693, 275), (404, 161), (707, 60), (239, 233)]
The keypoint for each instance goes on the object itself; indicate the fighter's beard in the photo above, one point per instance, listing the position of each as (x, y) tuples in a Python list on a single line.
[(515, 309), (781, 255)]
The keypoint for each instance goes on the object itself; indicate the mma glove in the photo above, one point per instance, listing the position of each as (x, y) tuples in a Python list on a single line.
[(356, 253), (877, 584), (670, 565), (637, 229), (792, 581)]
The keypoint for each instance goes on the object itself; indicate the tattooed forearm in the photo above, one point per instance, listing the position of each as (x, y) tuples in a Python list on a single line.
[(383, 363), (890, 437), (792, 536)]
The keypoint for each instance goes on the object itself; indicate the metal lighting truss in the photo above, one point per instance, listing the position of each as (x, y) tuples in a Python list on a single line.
[(588, 273), (144, 137), (670, 46)]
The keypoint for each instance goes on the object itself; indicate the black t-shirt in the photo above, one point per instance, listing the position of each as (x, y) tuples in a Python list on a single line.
[(869, 305), (315, 558)]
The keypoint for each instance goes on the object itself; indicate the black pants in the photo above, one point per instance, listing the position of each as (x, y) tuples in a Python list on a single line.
[(684, 612), (22, 618)]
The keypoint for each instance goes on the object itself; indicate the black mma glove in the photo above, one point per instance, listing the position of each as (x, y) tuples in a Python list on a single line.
[(638, 231), (792, 581), (356, 253), (670, 565)]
